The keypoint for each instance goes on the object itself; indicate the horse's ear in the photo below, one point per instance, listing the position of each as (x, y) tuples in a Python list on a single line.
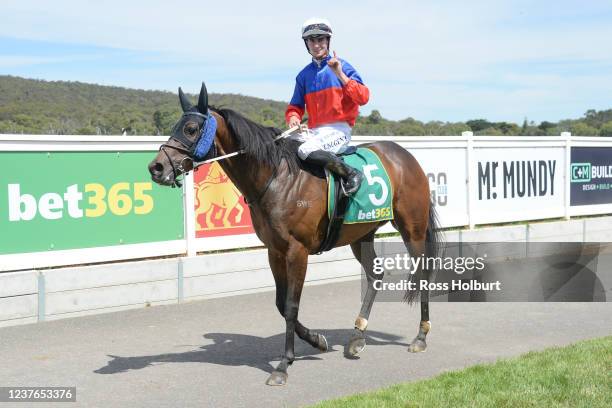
[(185, 104), (203, 100)]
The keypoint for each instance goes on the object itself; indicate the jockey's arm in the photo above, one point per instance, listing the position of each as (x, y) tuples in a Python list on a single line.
[(359, 93), (295, 110), (293, 117), (353, 86)]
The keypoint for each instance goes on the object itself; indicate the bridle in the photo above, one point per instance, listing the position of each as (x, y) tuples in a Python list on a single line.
[(190, 147)]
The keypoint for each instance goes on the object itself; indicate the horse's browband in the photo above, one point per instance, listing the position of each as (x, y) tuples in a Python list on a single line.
[(195, 113)]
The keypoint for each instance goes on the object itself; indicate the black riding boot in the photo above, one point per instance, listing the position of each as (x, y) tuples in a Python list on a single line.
[(351, 177)]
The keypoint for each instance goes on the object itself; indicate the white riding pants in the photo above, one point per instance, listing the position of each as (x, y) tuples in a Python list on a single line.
[(331, 137)]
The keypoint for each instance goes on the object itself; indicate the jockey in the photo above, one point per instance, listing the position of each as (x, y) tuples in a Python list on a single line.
[(330, 90)]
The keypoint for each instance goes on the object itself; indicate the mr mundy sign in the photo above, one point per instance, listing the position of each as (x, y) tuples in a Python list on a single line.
[(518, 180)]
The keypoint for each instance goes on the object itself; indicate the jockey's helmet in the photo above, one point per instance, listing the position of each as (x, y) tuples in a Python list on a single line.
[(315, 27)]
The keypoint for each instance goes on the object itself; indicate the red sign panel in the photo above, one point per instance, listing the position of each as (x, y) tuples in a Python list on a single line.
[(219, 206)]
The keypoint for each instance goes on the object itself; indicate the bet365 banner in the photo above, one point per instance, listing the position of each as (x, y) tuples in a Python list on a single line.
[(72, 200)]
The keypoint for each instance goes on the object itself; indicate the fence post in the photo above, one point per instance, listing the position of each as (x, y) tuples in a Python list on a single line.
[(567, 182), (470, 177), (180, 280), (42, 301), (189, 203)]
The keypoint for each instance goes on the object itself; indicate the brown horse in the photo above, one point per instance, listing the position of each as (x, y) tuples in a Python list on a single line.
[(288, 208)]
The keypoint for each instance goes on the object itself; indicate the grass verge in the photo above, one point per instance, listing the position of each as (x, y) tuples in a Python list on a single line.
[(579, 375)]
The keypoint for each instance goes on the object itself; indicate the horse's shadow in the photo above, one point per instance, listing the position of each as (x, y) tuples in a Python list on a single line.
[(232, 349)]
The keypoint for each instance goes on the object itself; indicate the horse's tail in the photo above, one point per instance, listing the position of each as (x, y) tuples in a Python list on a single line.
[(433, 247)]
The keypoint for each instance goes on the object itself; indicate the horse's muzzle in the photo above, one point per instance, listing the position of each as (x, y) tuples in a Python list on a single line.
[(157, 171)]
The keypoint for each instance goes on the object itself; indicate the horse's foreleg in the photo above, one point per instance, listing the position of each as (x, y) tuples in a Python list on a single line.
[(365, 254), (278, 266), (295, 261)]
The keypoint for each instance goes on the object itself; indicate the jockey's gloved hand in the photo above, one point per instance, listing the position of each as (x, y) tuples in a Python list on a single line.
[(293, 122)]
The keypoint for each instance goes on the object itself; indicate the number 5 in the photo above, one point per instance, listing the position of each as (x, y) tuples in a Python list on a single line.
[(145, 199), (367, 170)]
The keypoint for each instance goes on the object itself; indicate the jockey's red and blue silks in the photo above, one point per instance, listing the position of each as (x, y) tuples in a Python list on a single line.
[(319, 90)]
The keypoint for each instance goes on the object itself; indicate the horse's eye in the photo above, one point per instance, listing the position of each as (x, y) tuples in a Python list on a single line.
[(191, 129)]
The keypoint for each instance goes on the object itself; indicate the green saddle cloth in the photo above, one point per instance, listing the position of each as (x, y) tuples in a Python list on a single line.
[(372, 202)]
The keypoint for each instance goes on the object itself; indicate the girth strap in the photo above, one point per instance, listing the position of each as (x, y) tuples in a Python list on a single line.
[(337, 218)]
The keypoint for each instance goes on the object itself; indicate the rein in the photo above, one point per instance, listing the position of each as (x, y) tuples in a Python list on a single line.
[(274, 171), (225, 156)]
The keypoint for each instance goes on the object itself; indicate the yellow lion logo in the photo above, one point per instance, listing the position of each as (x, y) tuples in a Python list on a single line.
[(216, 195)]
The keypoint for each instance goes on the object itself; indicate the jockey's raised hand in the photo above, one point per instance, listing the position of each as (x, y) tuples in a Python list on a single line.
[(336, 65)]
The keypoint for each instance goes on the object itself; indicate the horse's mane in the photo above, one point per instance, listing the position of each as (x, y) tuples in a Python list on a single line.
[(257, 140)]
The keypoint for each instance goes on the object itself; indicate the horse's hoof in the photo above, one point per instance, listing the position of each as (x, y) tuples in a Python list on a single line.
[(323, 346), (277, 378), (355, 346), (417, 346)]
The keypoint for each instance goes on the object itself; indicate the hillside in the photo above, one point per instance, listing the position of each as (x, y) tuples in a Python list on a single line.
[(32, 106), (43, 107)]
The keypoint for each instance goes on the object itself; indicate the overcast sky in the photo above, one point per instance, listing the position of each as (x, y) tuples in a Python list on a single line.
[(430, 60)]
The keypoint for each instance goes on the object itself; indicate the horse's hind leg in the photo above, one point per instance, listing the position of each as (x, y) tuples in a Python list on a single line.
[(417, 249), (414, 228), (365, 254)]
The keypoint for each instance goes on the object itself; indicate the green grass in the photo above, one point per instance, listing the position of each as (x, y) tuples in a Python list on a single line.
[(578, 375)]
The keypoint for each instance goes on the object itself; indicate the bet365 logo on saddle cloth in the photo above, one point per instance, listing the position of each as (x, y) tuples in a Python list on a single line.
[(372, 202)]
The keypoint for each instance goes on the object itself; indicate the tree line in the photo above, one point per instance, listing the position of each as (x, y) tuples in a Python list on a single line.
[(32, 106)]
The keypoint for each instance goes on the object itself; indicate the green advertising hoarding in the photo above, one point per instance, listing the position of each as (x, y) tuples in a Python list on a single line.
[(73, 200)]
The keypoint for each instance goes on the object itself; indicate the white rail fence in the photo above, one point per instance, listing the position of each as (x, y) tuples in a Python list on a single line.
[(475, 180)]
